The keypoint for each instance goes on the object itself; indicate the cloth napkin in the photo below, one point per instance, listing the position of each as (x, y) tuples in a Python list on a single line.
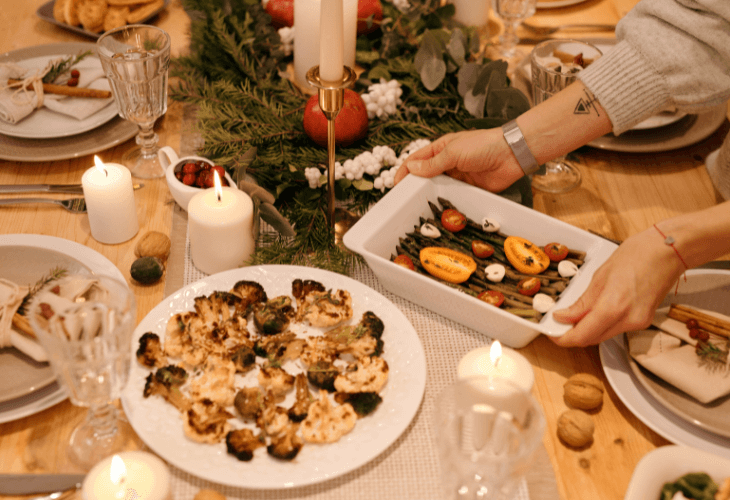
[(669, 353), (16, 105), (11, 297)]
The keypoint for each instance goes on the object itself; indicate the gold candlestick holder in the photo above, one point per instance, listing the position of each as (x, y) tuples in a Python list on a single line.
[(331, 96)]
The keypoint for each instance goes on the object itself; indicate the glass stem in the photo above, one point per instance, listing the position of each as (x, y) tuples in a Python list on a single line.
[(102, 418), (509, 38), (147, 139)]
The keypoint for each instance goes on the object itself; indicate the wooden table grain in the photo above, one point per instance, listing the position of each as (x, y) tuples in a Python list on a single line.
[(621, 194)]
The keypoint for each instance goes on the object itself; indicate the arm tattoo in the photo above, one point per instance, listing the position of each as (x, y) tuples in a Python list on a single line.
[(586, 105)]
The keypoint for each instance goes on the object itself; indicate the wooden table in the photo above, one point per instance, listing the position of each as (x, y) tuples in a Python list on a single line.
[(621, 194)]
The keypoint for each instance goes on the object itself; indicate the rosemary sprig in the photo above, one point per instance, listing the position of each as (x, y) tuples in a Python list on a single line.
[(711, 356), (56, 273), (60, 66)]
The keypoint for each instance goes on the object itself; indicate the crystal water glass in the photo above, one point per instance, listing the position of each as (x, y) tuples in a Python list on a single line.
[(88, 341), (552, 70), (136, 59), (487, 432), (512, 13)]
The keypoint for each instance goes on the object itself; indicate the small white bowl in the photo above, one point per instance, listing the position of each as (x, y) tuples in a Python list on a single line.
[(376, 234), (181, 192)]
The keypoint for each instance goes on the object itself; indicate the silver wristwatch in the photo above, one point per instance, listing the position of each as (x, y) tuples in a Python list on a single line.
[(515, 139)]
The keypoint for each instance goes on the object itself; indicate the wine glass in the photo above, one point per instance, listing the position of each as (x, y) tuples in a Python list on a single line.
[(512, 13), (487, 432), (136, 59), (553, 67), (85, 325)]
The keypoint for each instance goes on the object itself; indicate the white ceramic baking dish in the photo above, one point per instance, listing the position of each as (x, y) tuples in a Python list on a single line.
[(376, 234)]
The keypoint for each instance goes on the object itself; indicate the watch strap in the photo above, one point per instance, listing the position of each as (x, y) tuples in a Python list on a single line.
[(515, 139)]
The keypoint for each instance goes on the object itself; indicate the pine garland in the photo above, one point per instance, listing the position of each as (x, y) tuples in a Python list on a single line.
[(236, 76)]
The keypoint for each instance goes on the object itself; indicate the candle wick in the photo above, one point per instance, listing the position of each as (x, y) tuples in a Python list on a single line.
[(106, 173), (219, 197), (497, 361)]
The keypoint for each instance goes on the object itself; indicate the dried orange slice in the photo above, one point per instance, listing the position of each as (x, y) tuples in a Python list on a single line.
[(447, 264), (527, 257)]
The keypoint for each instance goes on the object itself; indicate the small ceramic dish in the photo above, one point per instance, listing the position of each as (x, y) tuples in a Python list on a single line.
[(181, 192)]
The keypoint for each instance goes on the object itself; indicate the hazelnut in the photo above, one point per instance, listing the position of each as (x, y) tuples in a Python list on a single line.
[(209, 495), (575, 428), (583, 391), (153, 244)]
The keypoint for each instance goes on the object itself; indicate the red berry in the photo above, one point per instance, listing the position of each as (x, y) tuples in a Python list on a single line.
[(72, 82), (221, 171), (189, 179), (703, 336), (75, 73), (190, 168), (694, 333), (692, 323)]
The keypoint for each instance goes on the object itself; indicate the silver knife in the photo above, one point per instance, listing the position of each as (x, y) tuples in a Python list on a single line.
[(47, 188), (29, 484)]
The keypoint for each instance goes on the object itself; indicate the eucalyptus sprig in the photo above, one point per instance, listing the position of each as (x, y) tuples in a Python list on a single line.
[(60, 66)]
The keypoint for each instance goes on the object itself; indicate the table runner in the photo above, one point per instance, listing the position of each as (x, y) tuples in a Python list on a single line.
[(409, 468)]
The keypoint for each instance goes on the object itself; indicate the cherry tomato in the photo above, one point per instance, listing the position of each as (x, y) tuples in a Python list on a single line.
[(492, 297), (556, 251), (481, 249), (405, 261), (453, 220), (528, 286)]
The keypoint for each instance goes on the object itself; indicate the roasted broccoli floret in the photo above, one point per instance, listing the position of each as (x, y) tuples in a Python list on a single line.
[(274, 316), (322, 374), (242, 443), (244, 358), (363, 403), (372, 324), (150, 352), (166, 382)]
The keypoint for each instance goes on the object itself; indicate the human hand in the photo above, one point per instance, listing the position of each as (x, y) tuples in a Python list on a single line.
[(479, 157), (624, 292)]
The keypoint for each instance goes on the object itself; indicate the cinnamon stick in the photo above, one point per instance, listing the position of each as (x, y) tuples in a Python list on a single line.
[(705, 321), (21, 323), (50, 88)]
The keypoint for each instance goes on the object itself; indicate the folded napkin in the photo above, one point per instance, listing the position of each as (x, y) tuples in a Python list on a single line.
[(16, 104), (669, 353), (11, 297)]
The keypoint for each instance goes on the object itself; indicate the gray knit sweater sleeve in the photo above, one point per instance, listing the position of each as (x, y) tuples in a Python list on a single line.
[(671, 53)]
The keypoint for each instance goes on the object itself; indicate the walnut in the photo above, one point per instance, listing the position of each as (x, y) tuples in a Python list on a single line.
[(153, 244), (583, 391), (575, 428)]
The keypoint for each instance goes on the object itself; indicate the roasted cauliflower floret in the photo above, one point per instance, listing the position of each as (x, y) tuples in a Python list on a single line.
[(280, 347), (273, 419), (352, 340), (299, 409), (176, 335), (242, 443), (250, 293), (301, 288), (274, 316), (166, 382), (249, 402), (368, 374), (206, 422), (216, 382), (150, 352), (326, 309), (318, 349), (326, 423), (276, 380), (286, 445)]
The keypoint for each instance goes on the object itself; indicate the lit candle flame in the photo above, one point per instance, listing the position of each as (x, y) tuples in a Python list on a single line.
[(117, 474), (495, 352), (100, 165), (218, 186)]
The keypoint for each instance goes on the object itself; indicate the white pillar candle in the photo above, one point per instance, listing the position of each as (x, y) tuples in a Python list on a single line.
[(498, 361), (220, 229), (307, 37), (110, 204), (130, 475), (471, 12), (331, 41)]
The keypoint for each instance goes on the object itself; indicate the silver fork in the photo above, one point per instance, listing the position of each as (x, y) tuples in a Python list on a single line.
[(549, 30), (73, 205)]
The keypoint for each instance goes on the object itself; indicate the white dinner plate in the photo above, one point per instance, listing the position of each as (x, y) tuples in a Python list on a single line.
[(44, 123), (25, 259), (160, 426), (669, 463), (614, 359)]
